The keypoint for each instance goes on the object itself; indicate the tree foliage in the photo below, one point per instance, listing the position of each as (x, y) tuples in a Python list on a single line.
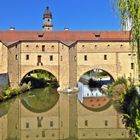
[(126, 100), (130, 9)]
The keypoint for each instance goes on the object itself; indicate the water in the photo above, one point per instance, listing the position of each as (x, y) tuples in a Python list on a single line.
[(45, 114)]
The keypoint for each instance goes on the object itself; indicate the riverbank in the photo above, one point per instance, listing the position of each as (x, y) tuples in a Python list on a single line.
[(8, 93)]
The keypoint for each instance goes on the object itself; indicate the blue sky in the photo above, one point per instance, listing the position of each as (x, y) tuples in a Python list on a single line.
[(74, 14)]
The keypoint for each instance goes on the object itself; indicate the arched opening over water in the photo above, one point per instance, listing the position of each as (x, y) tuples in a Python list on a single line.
[(43, 94), (91, 93), (39, 79)]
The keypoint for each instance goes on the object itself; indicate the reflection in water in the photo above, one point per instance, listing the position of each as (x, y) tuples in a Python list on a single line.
[(40, 100), (36, 116)]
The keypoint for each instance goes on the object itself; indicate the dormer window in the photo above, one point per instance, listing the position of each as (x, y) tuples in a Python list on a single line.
[(40, 34), (97, 34)]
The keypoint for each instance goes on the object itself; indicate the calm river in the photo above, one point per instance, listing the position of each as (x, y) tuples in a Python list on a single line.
[(45, 114)]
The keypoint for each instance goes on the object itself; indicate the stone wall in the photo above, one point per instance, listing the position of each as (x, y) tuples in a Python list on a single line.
[(3, 58)]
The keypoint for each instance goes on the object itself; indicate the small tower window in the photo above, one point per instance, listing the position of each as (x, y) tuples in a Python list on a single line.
[(16, 57), (132, 66), (85, 57), (43, 133), (51, 123), (27, 57), (43, 48), (86, 122), (61, 58), (51, 57), (106, 123), (105, 57), (27, 125), (52, 46)]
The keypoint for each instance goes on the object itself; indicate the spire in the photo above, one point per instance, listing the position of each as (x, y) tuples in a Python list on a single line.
[(47, 13), (47, 20)]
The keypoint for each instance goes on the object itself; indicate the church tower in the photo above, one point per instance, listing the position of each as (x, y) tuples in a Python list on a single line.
[(47, 20)]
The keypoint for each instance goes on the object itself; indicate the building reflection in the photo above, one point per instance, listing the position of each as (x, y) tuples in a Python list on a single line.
[(67, 119)]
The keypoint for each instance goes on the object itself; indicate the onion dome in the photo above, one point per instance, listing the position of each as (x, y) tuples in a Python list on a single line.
[(47, 13)]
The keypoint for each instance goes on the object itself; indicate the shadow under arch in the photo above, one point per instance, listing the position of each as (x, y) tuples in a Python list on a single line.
[(27, 74)]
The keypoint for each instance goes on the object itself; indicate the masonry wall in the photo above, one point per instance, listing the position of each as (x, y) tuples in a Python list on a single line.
[(14, 65), (35, 49), (73, 65), (3, 59), (117, 62), (101, 124), (64, 66)]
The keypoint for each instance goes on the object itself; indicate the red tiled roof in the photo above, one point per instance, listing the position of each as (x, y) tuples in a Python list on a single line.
[(64, 36)]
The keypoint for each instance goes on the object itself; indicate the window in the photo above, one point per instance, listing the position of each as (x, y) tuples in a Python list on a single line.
[(43, 133), (106, 123), (27, 46), (52, 46), (27, 57), (86, 122), (51, 123), (51, 57), (61, 124), (27, 125), (132, 66), (43, 48), (37, 46), (83, 46), (85, 57), (75, 58), (61, 58), (16, 45), (105, 57), (39, 121), (97, 35), (53, 135), (16, 57)]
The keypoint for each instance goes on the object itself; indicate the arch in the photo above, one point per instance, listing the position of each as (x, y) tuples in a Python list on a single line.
[(90, 94), (28, 71), (82, 71)]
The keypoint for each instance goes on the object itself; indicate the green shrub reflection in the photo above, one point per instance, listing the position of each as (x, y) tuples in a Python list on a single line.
[(40, 100)]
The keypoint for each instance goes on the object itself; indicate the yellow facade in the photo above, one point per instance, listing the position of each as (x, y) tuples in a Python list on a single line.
[(3, 58), (68, 63)]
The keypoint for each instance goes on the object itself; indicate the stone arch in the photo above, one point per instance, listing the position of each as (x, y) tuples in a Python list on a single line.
[(29, 70), (86, 69)]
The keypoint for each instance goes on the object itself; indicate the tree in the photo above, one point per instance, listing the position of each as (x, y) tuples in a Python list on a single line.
[(130, 9)]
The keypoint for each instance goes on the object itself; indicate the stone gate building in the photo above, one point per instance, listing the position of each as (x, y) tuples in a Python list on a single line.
[(67, 55)]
